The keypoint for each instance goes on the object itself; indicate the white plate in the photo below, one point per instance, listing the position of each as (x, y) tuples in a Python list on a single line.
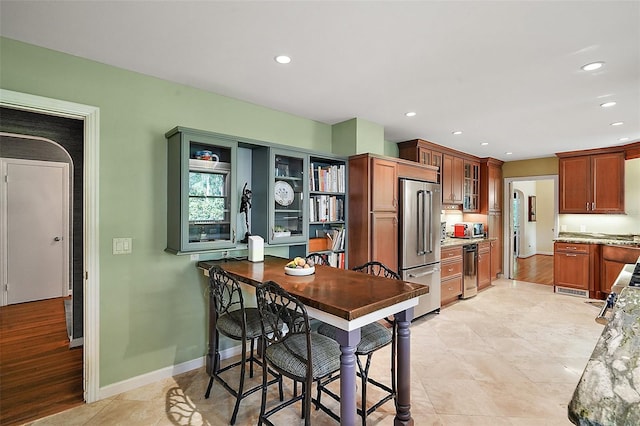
[(283, 193), (299, 271)]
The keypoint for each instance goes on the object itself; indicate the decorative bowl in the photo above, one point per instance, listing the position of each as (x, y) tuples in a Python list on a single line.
[(299, 271)]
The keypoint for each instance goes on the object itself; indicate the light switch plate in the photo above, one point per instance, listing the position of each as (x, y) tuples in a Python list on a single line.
[(122, 246)]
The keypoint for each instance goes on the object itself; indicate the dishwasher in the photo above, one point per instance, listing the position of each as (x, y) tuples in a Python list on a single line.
[(470, 271)]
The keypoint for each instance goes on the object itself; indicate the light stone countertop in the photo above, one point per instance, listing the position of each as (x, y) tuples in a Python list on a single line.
[(608, 392), (596, 238), (453, 242)]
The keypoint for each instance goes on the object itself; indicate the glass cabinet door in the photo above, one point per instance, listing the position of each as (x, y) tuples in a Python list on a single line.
[(201, 177), (288, 214), (209, 200)]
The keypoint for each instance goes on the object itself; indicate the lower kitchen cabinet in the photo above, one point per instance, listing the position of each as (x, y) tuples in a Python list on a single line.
[(484, 265), (613, 260), (576, 266), (451, 274)]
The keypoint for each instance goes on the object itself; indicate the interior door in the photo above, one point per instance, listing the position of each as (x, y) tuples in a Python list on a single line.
[(36, 200)]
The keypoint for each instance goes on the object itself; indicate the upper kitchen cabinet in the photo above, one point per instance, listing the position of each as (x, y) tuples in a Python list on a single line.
[(471, 202), (591, 183), (384, 178), (421, 152), (281, 216), (490, 185), (451, 169), (200, 196), (452, 179)]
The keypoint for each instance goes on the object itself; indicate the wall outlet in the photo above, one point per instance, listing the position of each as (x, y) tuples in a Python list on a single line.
[(563, 228), (583, 228), (195, 256)]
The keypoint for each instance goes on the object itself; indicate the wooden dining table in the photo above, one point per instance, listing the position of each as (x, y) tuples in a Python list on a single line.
[(347, 300)]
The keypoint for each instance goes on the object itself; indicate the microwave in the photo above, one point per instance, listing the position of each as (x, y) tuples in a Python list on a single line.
[(468, 230)]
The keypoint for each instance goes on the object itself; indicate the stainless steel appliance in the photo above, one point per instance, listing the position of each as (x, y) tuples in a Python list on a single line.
[(470, 271), (420, 240)]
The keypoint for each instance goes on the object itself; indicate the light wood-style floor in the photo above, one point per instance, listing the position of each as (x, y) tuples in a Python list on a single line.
[(536, 269), (39, 374)]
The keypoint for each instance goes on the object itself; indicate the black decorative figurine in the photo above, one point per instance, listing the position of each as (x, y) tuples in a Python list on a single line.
[(245, 205)]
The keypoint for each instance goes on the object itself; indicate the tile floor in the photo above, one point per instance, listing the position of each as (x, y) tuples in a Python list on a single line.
[(510, 356)]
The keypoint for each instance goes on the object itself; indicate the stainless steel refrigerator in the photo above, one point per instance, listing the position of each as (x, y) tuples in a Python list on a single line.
[(420, 206)]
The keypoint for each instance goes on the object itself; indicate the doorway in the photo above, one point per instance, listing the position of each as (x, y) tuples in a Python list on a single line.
[(86, 184), (531, 236), (34, 218)]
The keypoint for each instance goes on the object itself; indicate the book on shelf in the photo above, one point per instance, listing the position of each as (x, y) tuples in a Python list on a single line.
[(327, 178), (336, 260), (326, 208)]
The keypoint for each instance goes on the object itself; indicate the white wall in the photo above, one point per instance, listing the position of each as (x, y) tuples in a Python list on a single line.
[(612, 223), (528, 230), (545, 197)]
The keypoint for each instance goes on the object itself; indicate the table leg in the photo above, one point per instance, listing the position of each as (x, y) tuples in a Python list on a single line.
[(403, 368), (348, 409)]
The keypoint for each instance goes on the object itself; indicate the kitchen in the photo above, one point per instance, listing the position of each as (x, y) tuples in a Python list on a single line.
[(135, 111)]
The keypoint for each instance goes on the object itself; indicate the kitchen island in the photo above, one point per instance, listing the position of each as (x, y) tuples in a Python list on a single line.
[(608, 392)]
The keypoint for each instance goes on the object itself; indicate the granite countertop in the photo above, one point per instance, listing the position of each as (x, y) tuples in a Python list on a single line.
[(608, 392), (595, 238), (453, 242)]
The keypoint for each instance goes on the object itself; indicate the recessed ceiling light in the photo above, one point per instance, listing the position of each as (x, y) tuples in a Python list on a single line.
[(508, 153), (282, 59), (484, 143), (617, 123), (623, 139), (592, 66), (607, 104), (457, 132), (410, 114)]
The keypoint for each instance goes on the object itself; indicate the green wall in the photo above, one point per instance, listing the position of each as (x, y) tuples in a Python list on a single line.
[(152, 304)]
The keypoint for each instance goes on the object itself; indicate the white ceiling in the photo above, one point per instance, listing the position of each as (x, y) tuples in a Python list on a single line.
[(504, 72)]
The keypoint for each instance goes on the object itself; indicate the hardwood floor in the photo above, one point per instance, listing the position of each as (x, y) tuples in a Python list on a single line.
[(534, 269), (39, 374)]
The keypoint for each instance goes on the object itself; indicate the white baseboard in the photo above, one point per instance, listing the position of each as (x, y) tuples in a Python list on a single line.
[(161, 374)]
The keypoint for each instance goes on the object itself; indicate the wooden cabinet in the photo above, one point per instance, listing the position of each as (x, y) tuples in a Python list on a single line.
[(491, 205), (490, 185), (592, 183), (452, 179), (494, 232), (451, 274), (576, 266), (484, 265), (384, 182), (471, 187), (613, 260), (422, 152)]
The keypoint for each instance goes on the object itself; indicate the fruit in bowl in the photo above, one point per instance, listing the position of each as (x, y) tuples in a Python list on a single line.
[(299, 263), (299, 266)]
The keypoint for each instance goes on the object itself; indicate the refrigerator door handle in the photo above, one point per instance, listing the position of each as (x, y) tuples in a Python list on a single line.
[(423, 273), (422, 235), (429, 222)]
